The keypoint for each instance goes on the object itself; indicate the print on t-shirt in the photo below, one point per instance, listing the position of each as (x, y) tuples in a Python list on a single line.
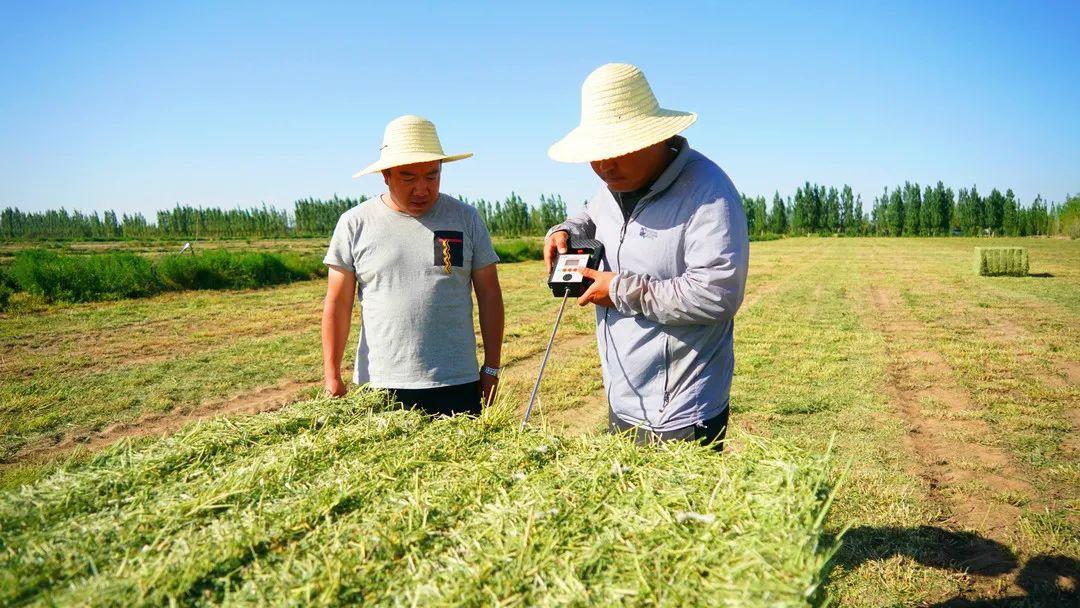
[(449, 249)]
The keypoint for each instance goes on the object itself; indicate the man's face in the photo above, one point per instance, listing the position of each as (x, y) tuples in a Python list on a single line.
[(414, 188), (634, 170)]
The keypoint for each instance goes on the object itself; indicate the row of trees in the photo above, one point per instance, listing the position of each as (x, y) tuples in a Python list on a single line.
[(316, 217), (907, 210), (514, 217), (183, 221), (310, 217), (16, 224)]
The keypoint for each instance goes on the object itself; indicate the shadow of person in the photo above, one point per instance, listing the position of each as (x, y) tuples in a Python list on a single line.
[(1046, 580), (929, 545)]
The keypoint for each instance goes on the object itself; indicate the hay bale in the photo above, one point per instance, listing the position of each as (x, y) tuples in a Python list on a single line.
[(1001, 261)]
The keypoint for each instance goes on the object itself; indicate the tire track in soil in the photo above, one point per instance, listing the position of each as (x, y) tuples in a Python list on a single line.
[(572, 421), (917, 376), (519, 369), (256, 401), (943, 457)]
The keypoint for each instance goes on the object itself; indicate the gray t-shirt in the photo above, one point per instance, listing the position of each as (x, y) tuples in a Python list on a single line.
[(414, 282)]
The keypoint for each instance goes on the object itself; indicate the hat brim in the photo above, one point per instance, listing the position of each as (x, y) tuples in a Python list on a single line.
[(408, 159), (588, 143)]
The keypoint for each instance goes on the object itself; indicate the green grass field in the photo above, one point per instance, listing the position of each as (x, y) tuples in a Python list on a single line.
[(952, 401)]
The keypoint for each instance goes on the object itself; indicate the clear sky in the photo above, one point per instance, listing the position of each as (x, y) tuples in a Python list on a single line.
[(138, 106)]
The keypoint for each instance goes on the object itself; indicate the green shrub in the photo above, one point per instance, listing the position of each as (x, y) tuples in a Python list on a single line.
[(108, 276), (84, 278), (5, 297), (520, 250), (223, 269), (345, 502), (765, 236), (999, 261)]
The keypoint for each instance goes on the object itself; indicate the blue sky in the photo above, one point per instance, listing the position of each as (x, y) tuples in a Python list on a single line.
[(138, 106)]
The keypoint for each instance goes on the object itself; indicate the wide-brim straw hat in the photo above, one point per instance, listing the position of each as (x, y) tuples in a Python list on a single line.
[(619, 115), (407, 140)]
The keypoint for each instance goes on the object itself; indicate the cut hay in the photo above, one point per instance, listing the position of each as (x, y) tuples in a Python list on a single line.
[(1001, 261), (345, 502)]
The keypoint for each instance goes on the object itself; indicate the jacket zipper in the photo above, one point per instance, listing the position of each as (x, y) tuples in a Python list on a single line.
[(618, 261)]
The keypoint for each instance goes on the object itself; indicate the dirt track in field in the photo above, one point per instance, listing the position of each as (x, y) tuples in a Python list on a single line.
[(944, 453), (266, 399)]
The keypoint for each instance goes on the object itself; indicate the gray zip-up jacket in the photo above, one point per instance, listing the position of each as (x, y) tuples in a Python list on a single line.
[(681, 262)]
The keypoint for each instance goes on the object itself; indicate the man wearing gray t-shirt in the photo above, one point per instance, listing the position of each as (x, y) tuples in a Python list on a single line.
[(413, 256)]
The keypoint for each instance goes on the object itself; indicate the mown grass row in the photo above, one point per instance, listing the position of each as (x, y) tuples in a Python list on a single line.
[(346, 501)]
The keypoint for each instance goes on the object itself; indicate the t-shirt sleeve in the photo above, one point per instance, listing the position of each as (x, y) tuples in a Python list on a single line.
[(340, 252), (483, 252)]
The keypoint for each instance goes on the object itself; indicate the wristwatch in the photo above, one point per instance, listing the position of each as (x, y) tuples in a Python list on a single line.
[(491, 371)]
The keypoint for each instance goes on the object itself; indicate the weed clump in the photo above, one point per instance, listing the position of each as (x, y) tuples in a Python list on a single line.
[(519, 250)]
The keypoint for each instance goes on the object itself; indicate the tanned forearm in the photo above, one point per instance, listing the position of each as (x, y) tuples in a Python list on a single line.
[(492, 321), (336, 318)]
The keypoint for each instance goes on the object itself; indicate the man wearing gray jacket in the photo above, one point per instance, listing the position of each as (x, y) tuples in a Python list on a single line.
[(676, 245)]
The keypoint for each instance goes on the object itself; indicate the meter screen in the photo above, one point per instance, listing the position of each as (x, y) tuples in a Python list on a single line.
[(568, 269)]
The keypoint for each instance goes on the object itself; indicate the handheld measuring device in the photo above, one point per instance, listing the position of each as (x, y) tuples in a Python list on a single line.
[(566, 277), (566, 280)]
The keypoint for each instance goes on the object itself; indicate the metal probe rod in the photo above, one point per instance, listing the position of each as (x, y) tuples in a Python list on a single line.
[(543, 364)]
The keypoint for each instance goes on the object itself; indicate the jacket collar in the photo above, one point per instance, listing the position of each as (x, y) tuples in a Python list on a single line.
[(673, 170)]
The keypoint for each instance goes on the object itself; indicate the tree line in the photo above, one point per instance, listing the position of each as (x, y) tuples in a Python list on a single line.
[(910, 210), (906, 210), (514, 217), (310, 217)]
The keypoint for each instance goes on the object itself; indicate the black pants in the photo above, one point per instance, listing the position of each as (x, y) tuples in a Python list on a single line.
[(441, 401), (710, 432)]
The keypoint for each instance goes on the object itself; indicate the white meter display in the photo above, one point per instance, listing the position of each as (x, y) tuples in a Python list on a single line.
[(568, 268)]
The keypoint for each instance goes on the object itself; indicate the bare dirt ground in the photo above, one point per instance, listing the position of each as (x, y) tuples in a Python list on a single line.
[(266, 399)]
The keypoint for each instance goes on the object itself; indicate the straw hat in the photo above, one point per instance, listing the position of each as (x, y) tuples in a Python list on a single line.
[(619, 115), (409, 139)]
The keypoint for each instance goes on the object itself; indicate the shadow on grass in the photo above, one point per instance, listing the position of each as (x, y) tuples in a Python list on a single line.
[(1046, 580), (1041, 275)]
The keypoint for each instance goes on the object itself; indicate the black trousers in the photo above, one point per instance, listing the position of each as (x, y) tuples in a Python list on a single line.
[(442, 400), (710, 432)]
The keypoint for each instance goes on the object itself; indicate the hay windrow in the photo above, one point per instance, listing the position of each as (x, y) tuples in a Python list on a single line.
[(340, 502)]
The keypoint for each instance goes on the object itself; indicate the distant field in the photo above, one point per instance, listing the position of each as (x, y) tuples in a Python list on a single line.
[(956, 398)]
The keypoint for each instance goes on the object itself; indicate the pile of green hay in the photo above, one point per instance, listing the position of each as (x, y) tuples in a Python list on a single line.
[(347, 502), (1001, 261)]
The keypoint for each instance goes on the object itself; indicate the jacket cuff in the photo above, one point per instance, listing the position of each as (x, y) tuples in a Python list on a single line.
[(559, 228)]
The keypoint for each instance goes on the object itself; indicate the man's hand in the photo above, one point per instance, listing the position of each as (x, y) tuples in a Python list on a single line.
[(335, 387), (489, 386), (556, 243), (598, 291)]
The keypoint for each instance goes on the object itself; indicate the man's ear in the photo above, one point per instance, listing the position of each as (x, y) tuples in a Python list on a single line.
[(386, 176)]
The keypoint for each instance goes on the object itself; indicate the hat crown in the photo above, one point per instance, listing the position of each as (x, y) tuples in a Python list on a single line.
[(411, 133), (614, 92)]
